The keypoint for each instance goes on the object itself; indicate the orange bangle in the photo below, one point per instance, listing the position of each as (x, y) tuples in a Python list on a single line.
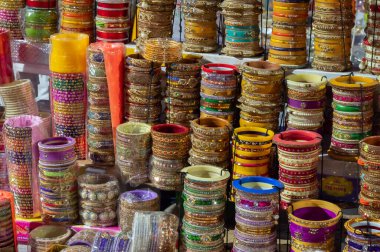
[(288, 53)]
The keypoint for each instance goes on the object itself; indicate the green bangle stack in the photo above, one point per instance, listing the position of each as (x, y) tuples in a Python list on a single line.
[(39, 24)]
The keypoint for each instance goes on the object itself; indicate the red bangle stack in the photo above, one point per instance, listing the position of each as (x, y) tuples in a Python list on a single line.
[(298, 172), (112, 21)]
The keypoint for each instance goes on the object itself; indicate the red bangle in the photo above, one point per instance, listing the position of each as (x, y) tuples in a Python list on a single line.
[(297, 139), (112, 5), (106, 12), (297, 181), (298, 150), (352, 99), (41, 4), (287, 34), (169, 128), (338, 144), (296, 173), (210, 68), (112, 35)]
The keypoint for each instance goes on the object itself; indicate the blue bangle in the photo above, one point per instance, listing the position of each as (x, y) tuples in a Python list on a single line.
[(276, 185), (357, 246)]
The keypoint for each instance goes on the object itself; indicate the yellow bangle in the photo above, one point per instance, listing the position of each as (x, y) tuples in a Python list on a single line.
[(245, 123), (213, 92), (229, 118), (250, 171), (251, 154), (357, 82), (253, 134)]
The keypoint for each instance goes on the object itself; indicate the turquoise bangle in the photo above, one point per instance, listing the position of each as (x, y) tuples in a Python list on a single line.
[(249, 27), (241, 33), (241, 40)]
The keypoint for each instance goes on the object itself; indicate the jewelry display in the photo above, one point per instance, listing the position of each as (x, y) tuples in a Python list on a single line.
[(43, 237), (9, 17), (8, 235), (298, 172), (362, 234), (6, 67), (162, 50), (260, 100)]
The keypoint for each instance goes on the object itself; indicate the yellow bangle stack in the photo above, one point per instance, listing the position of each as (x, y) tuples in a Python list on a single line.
[(260, 102), (333, 21)]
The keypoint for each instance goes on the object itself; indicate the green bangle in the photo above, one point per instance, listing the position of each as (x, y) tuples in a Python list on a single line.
[(343, 108), (202, 202), (216, 110), (41, 16), (202, 192), (201, 238), (351, 136), (216, 101)]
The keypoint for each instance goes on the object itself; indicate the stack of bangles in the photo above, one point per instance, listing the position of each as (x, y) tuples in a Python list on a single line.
[(4, 182), (8, 235), (57, 180), (369, 197), (363, 234), (171, 144), (372, 42), (251, 148), (44, 237), (257, 213), (162, 50), (182, 93), (142, 90), (133, 149), (154, 20), (24, 104), (204, 201), (312, 225), (98, 196), (241, 19), (21, 134), (353, 114), (40, 20), (131, 202), (9, 17), (298, 157), (332, 24), (260, 101), (210, 142), (113, 20), (288, 40), (306, 101), (99, 131), (77, 16), (6, 67), (218, 91), (200, 25)]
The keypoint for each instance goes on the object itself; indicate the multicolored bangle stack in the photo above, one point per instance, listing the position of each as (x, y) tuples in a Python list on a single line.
[(160, 235), (353, 113), (312, 225), (135, 201), (77, 16), (4, 181), (43, 237), (40, 20), (99, 131), (171, 144), (57, 180), (68, 89), (260, 101), (210, 142), (142, 90), (332, 24), (257, 213), (182, 93), (9, 17), (251, 151), (200, 25), (113, 20), (372, 42), (133, 149), (218, 91), (21, 134), (98, 196), (306, 101), (23, 104), (298, 157), (6, 67), (8, 235), (362, 234), (204, 201), (241, 19), (154, 20), (288, 40), (369, 197)]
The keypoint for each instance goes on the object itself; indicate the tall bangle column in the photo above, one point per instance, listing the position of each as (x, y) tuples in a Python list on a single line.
[(241, 20), (200, 25), (21, 134), (332, 24), (372, 41), (353, 113), (257, 213), (204, 198), (99, 132), (298, 172), (68, 88), (288, 39), (9, 18), (370, 177), (260, 101)]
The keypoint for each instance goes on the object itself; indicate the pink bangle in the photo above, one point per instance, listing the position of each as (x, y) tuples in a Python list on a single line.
[(297, 139), (210, 68)]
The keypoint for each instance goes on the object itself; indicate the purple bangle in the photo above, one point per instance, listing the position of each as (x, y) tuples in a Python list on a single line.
[(139, 195), (312, 235), (57, 150), (306, 104)]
